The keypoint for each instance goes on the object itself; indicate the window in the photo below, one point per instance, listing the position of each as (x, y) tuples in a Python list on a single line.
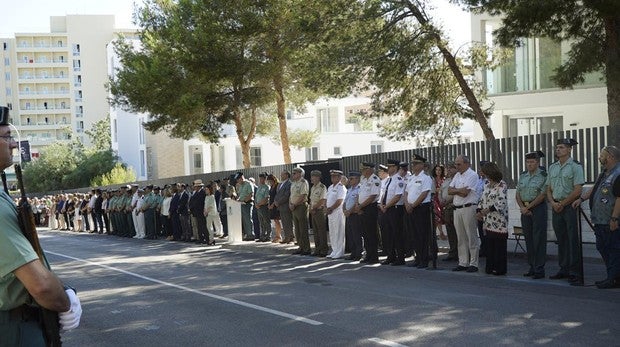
[(142, 163), (255, 157), (312, 153), (197, 160), (114, 131), (376, 147), (327, 120), (7, 76), (289, 113), (8, 92), (533, 125), (7, 61), (337, 151)]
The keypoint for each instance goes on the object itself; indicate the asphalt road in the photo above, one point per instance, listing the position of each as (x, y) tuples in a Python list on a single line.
[(158, 293)]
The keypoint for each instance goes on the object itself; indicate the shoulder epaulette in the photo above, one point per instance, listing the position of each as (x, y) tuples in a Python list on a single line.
[(524, 172), (576, 162)]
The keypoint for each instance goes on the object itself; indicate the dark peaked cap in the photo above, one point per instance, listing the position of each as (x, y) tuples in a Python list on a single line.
[(4, 115), (367, 165), (567, 141), (534, 155), (393, 162), (418, 158)]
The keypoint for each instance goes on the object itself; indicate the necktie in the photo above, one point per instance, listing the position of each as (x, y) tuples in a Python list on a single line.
[(383, 202)]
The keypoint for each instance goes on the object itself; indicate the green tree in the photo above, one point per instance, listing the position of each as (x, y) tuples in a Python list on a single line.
[(119, 174), (100, 134), (92, 165), (592, 27), (56, 161)]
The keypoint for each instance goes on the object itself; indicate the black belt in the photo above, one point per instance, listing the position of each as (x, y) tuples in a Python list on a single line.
[(23, 313), (371, 204), (466, 205)]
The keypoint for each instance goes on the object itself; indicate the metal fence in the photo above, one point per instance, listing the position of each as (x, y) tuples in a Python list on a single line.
[(590, 140)]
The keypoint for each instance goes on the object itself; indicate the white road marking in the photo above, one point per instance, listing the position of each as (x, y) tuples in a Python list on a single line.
[(195, 291), (386, 342)]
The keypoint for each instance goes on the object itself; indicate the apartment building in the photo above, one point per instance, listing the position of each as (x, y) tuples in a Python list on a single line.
[(54, 83), (526, 100)]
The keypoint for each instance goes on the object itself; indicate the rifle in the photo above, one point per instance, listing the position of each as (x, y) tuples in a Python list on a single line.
[(49, 319)]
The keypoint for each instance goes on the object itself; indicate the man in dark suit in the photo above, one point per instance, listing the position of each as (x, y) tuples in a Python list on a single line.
[(174, 212), (186, 228), (281, 202), (196, 208), (98, 212)]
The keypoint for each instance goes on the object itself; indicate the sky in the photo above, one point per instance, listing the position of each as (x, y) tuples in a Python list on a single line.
[(31, 16)]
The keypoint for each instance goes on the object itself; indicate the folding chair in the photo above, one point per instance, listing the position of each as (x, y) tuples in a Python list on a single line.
[(517, 231)]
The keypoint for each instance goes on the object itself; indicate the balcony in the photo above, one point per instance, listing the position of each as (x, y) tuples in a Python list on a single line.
[(43, 110), (43, 94), (43, 79)]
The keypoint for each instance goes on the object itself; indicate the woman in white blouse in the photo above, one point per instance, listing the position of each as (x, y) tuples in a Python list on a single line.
[(213, 217)]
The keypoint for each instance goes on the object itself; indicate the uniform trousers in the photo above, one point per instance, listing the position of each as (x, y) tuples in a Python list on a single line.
[(535, 231), (496, 253), (565, 228), (392, 234), (319, 228), (448, 217), (201, 227), (256, 226), (466, 226), (175, 223), (130, 230), (336, 225), (409, 231), (422, 225), (264, 222), (246, 220), (608, 245), (224, 220), (15, 333), (353, 234), (369, 231), (300, 223), (150, 223), (287, 223), (140, 229)]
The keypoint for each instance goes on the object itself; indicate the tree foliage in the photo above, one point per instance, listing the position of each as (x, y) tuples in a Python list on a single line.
[(100, 135), (119, 174), (591, 27)]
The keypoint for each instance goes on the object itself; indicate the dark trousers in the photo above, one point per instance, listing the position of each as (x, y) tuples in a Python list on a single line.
[(131, 229), (86, 221), (177, 231), (149, 223), (203, 232), (256, 223), (319, 228), (565, 227), (497, 255), (286, 217), (409, 230), (448, 218), (608, 245), (535, 231), (98, 221), (422, 225), (69, 221), (20, 333), (392, 233), (106, 222), (483, 251), (353, 234), (300, 222), (369, 231), (224, 220), (264, 223)]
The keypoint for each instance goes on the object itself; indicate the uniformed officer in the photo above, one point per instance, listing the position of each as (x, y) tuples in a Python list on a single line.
[(149, 204), (391, 219), (353, 222), (530, 196), (419, 211), (246, 197), (318, 194), (335, 215), (605, 212), (130, 230), (298, 204), (564, 184), (370, 187), (403, 171), (26, 284)]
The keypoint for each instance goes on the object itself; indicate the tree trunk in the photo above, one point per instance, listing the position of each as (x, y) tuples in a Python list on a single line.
[(281, 106), (244, 141), (612, 57)]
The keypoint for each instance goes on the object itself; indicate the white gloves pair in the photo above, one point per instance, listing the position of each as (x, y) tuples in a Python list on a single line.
[(71, 319)]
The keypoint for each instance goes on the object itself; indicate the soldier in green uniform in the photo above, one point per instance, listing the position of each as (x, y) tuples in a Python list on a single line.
[(564, 184), (26, 284), (149, 203), (111, 211), (530, 196)]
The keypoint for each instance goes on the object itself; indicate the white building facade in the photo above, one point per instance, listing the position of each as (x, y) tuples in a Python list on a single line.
[(526, 100)]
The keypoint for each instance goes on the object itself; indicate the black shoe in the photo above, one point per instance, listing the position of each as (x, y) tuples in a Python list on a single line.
[(599, 282), (472, 269), (529, 274), (459, 268), (574, 279), (305, 253), (499, 273), (387, 261), (538, 276), (353, 258), (608, 284), (398, 263), (558, 276)]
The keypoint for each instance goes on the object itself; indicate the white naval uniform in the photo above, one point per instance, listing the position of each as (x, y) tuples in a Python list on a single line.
[(336, 220), (139, 219)]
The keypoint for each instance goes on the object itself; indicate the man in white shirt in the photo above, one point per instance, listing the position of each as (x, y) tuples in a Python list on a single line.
[(335, 215), (391, 220), (370, 187), (463, 188), (418, 209)]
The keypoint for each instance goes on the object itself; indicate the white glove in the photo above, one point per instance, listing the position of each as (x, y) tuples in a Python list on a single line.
[(71, 319)]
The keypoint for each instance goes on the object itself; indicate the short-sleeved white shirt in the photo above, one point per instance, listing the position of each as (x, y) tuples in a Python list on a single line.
[(469, 180), (335, 193), (417, 185), (368, 187)]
